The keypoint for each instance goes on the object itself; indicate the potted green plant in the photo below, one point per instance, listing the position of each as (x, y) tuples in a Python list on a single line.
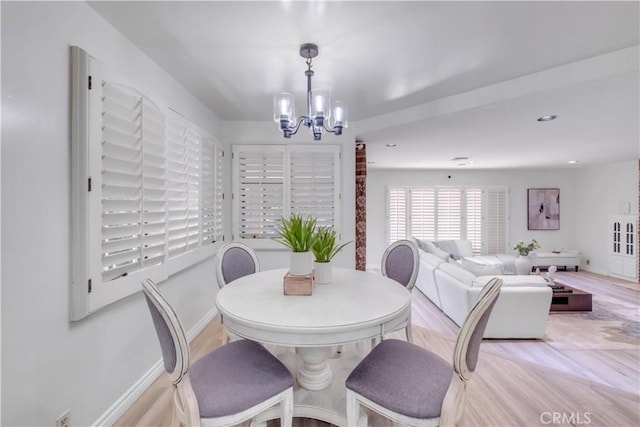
[(324, 249), (298, 234), (523, 249), (523, 262)]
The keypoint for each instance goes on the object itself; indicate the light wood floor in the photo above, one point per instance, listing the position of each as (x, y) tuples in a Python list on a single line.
[(517, 382)]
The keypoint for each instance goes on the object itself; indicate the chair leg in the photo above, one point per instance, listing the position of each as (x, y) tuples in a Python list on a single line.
[(286, 408), (409, 333), (353, 409), (454, 402)]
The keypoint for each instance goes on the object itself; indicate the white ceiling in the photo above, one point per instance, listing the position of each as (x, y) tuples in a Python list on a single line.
[(439, 79)]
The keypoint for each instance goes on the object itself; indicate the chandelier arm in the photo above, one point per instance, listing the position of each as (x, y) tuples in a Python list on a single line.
[(336, 130), (300, 121)]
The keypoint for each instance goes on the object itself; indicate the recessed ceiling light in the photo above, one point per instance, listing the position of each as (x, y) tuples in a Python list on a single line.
[(392, 145), (467, 163), (572, 162), (547, 118), (458, 158), (371, 162)]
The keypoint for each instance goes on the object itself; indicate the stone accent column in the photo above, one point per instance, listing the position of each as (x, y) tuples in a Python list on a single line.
[(361, 206)]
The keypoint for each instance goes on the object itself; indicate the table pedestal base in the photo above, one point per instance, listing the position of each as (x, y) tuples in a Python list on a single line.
[(314, 372), (328, 404)]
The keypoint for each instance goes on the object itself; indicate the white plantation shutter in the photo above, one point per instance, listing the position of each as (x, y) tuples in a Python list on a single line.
[(442, 213), (121, 182), (259, 190), (274, 181), (211, 212), (423, 213), (183, 178), (133, 197), (397, 214), (496, 220), (473, 218), (142, 191), (313, 177), (448, 211)]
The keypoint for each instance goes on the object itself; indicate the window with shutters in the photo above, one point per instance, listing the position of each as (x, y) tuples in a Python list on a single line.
[(497, 220), (258, 190), (396, 213), (477, 214), (473, 218), (275, 181), (147, 188), (212, 192)]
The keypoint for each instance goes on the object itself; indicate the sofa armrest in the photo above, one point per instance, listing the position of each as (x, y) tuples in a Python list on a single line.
[(453, 294), (513, 281), (520, 312)]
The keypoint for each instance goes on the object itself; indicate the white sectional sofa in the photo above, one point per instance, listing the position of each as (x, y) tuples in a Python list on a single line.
[(522, 308)]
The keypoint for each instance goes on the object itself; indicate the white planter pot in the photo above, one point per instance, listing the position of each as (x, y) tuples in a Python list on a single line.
[(323, 273), (523, 264), (301, 263)]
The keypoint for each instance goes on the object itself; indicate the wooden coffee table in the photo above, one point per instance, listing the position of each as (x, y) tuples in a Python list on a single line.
[(570, 299)]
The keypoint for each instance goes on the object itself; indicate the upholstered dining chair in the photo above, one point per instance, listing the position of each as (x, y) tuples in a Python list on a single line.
[(235, 260), (227, 386), (413, 386), (401, 262)]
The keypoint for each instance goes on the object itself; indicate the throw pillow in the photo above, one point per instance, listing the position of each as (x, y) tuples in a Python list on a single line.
[(433, 249), (449, 246)]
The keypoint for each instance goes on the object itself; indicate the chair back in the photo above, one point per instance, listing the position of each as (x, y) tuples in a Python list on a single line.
[(467, 349), (173, 341), (235, 260), (400, 262)]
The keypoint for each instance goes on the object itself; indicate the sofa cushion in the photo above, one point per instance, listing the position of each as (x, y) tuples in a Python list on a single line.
[(431, 259), (513, 281), (478, 267), (464, 247), (420, 243), (430, 247), (458, 273), (449, 246)]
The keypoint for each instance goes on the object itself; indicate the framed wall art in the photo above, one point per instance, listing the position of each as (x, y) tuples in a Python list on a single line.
[(543, 209)]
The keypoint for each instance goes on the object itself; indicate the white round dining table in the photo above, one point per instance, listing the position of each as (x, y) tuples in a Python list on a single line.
[(356, 306)]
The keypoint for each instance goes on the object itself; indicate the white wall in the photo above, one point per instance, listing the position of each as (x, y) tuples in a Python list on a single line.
[(588, 195), (48, 363), (516, 180), (600, 191)]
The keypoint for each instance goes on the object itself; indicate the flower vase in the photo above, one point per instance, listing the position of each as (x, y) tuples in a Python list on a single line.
[(323, 273), (301, 263), (524, 264)]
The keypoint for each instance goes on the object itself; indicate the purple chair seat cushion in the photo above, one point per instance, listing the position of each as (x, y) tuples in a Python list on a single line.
[(236, 377), (403, 378)]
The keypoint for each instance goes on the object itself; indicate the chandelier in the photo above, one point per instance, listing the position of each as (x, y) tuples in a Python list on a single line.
[(318, 102)]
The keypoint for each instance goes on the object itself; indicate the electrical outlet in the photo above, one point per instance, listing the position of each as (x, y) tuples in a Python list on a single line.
[(588, 262), (63, 419)]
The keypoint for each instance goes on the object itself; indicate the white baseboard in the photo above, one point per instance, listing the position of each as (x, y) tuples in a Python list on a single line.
[(124, 402)]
